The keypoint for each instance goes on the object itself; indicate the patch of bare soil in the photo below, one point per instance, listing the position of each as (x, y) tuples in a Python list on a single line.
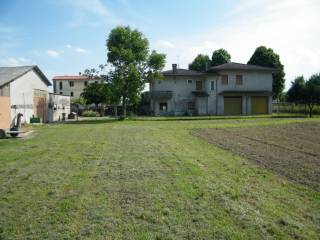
[(290, 150), (26, 135)]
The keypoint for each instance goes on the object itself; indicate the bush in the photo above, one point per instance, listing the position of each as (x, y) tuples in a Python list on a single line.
[(90, 114), (35, 120)]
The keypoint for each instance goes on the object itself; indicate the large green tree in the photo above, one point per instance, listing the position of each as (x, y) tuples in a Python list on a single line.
[(219, 57), (311, 92), (128, 53), (294, 93), (200, 63), (96, 93), (263, 56)]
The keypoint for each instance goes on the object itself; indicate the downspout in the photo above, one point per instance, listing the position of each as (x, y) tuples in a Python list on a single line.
[(217, 96)]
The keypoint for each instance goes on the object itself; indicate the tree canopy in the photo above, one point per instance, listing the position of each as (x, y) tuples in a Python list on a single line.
[(311, 92), (95, 93), (294, 93), (200, 63), (220, 56), (133, 66), (263, 56)]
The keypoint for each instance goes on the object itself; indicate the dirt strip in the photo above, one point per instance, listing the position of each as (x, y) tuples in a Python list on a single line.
[(290, 150)]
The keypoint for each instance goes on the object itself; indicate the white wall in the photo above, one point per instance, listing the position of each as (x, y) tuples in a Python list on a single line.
[(59, 105), (77, 88), (22, 93), (182, 90)]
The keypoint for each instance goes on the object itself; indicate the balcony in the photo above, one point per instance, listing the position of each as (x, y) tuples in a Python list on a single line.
[(200, 93), (161, 94)]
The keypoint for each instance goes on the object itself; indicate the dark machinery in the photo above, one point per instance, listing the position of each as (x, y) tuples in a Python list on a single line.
[(14, 128)]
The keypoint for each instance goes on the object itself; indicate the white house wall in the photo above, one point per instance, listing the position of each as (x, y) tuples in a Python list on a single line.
[(182, 90), (22, 93)]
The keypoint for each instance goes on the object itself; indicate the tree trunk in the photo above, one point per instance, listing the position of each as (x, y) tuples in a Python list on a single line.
[(115, 107), (102, 110), (310, 110), (124, 106)]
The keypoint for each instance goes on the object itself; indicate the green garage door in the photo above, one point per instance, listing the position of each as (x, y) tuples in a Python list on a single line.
[(232, 105), (259, 105)]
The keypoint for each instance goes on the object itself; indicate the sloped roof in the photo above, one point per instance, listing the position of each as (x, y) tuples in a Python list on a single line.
[(241, 66), (71, 77), (182, 72), (9, 74)]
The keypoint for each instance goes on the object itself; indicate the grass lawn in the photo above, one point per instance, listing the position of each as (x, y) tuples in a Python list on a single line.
[(147, 180)]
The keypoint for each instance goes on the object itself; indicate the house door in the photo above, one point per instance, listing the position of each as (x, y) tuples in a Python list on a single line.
[(232, 105), (259, 105), (202, 105), (40, 103)]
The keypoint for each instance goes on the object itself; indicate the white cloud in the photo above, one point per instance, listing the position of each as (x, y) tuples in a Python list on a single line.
[(80, 50), (165, 44), (12, 62), (53, 53), (92, 6), (290, 27)]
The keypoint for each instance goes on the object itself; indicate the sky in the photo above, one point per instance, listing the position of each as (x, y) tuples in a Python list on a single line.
[(64, 37)]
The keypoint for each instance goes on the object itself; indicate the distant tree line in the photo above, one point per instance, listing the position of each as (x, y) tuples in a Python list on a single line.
[(305, 92)]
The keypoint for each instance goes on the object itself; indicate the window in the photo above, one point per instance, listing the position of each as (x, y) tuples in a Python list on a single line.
[(239, 80), (61, 93), (189, 81), (60, 85), (199, 85), (71, 94), (191, 106), (71, 83), (163, 106), (85, 83), (224, 79), (212, 85)]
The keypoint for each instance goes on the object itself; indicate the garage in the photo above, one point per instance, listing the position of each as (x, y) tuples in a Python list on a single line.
[(259, 105), (233, 105)]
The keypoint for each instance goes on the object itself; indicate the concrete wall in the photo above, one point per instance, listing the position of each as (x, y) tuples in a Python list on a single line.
[(252, 81), (77, 89), (5, 118), (59, 105), (182, 91), (5, 90), (22, 94)]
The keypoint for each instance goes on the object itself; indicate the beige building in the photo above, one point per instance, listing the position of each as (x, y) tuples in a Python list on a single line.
[(71, 85), (24, 90), (227, 89)]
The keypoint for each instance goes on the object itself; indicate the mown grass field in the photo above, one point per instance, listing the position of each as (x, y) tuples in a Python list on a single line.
[(146, 180)]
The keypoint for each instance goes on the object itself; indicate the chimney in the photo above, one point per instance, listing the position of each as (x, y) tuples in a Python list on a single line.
[(174, 68)]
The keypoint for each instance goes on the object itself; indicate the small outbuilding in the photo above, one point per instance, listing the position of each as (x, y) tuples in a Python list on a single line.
[(23, 90)]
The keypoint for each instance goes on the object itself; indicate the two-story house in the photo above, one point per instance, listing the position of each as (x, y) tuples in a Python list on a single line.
[(227, 89), (71, 85)]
